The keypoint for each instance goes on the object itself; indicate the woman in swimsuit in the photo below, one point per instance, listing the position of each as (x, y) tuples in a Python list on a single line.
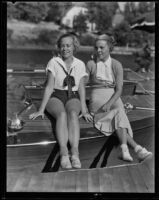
[(64, 98)]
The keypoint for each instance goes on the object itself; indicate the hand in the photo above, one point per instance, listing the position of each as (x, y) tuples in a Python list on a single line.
[(106, 107), (36, 114), (88, 117)]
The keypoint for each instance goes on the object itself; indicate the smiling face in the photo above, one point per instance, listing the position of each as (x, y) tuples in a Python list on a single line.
[(102, 49), (66, 47)]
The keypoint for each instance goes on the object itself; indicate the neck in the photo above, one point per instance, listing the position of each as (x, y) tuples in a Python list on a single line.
[(68, 60), (105, 59)]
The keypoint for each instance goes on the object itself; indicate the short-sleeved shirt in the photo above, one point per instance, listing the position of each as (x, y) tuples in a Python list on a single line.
[(78, 71)]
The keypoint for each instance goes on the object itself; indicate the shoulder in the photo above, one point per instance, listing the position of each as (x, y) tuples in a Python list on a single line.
[(91, 64), (117, 65), (51, 62), (79, 62)]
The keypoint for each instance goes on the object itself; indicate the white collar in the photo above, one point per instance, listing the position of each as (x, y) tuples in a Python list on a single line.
[(60, 61), (108, 62)]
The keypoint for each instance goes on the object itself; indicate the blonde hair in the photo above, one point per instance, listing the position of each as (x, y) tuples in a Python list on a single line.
[(110, 40), (74, 37)]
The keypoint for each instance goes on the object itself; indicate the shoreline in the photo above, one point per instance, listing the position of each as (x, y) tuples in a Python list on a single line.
[(117, 50)]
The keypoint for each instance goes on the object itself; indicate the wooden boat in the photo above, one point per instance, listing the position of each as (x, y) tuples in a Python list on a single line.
[(33, 162)]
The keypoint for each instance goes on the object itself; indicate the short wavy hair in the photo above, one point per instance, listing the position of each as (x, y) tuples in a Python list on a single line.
[(74, 37), (109, 38)]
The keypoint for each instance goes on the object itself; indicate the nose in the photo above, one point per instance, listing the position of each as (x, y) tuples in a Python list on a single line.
[(64, 48), (98, 50)]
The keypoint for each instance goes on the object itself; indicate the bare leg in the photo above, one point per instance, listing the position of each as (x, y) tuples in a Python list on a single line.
[(131, 141), (122, 135), (56, 108), (73, 107)]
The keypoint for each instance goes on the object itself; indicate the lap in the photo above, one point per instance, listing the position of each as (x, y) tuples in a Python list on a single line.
[(55, 106)]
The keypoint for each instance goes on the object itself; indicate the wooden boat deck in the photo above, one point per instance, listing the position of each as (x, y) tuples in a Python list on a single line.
[(134, 178), (36, 168)]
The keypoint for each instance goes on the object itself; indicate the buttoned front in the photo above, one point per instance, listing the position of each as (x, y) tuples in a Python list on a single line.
[(77, 70), (104, 70)]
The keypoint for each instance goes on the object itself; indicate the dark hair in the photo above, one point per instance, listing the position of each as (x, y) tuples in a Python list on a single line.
[(74, 38), (109, 38)]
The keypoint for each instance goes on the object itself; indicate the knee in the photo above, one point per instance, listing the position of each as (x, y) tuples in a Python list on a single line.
[(62, 115), (72, 114)]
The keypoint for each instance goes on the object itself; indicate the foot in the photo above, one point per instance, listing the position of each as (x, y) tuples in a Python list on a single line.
[(65, 162), (125, 153), (75, 162), (143, 154), (126, 156)]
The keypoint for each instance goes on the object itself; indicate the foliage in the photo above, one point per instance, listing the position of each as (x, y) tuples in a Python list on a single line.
[(32, 11), (101, 14), (79, 23), (47, 37), (9, 34), (57, 10), (87, 40), (121, 33)]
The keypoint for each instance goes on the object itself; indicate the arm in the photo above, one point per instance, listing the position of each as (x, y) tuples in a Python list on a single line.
[(47, 93), (82, 94), (118, 88)]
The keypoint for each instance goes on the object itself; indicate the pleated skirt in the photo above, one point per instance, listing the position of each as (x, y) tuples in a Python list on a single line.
[(108, 122)]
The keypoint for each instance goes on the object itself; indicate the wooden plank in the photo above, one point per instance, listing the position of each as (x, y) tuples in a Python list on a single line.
[(11, 180), (149, 163), (121, 181), (105, 176), (146, 177), (59, 182), (137, 179), (22, 182), (69, 181), (41, 182), (82, 181), (117, 179), (93, 181)]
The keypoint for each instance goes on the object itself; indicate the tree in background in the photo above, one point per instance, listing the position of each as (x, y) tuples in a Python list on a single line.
[(121, 33), (32, 11), (132, 11), (101, 14), (57, 10), (80, 24), (54, 12), (145, 7), (12, 11)]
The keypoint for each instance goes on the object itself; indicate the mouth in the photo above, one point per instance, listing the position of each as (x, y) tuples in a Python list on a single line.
[(65, 52), (99, 54)]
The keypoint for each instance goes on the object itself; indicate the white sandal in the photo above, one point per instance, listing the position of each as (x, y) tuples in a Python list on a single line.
[(65, 162), (75, 162), (143, 154)]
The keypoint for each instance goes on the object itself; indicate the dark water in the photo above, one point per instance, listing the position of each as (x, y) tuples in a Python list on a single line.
[(41, 57)]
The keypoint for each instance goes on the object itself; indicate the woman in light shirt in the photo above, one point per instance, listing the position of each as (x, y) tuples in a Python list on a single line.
[(64, 98), (105, 102)]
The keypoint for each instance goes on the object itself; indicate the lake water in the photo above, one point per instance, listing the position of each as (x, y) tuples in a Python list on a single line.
[(41, 57)]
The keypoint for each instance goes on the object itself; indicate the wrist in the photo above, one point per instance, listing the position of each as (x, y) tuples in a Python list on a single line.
[(41, 110)]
